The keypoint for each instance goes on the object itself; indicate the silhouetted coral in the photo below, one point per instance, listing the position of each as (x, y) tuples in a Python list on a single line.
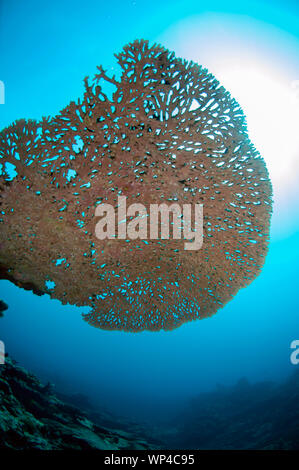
[(3, 307), (169, 133)]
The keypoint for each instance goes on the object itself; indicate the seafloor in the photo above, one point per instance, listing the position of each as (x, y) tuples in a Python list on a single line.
[(245, 416)]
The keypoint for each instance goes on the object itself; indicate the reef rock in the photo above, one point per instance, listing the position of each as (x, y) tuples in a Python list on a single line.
[(32, 417)]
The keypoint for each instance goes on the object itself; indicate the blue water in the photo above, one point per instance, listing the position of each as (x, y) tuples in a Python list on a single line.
[(46, 51)]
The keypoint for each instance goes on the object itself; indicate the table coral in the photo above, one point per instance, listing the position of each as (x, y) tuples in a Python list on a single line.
[(169, 132)]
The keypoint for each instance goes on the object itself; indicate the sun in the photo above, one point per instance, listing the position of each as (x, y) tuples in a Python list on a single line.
[(258, 64), (271, 108)]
